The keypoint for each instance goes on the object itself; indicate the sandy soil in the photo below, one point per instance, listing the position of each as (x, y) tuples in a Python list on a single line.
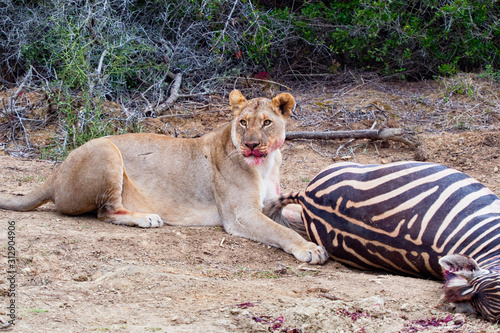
[(77, 274)]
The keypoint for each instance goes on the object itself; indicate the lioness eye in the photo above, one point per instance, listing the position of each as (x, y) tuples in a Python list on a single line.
[(267, 122), (243, 122)]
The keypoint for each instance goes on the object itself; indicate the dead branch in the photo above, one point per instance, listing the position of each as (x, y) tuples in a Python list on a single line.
[(10, 110), (13, 97), (16, 94), (395, 134), (5, 325), (264, 81), (186, 115), (174, 95)]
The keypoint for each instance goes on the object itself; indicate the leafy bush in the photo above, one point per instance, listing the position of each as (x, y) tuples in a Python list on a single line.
[(126, 45), (421, 37), (82, 119), (120, 46)]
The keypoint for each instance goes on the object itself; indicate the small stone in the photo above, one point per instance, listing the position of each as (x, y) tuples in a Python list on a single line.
[(371, 303), (82, 277), (235, 311), (97, 275), (420, 155)]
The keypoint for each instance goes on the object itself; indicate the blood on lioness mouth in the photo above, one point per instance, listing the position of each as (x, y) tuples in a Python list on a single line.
[(253, 157), (254, 153)]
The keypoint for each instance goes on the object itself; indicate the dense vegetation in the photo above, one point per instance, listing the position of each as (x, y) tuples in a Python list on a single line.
[(120, 44), (130, 50)]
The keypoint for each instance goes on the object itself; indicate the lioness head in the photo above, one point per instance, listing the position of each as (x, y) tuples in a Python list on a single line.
[(258, 127)]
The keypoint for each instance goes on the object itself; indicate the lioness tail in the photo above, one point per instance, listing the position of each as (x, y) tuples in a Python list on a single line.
[(30, 201)]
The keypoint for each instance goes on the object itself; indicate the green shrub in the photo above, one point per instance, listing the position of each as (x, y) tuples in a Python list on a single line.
[(81, 119), (87, 47), (117, 46), (423, 37)]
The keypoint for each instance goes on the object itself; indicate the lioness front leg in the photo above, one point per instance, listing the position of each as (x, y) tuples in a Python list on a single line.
[(254, 225)]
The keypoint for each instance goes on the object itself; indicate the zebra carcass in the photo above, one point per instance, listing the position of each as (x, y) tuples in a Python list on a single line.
[(411, 218)]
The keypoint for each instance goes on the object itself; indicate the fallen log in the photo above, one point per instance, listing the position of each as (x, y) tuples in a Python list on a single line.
[(395, 134)]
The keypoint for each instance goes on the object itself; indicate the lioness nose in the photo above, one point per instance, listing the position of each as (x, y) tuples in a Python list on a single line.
[(252, 145)]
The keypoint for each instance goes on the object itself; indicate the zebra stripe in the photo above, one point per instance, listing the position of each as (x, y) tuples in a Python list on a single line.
[(410, 218)]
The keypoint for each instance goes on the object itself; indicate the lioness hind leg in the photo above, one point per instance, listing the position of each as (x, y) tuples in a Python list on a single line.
[(93, 178), (112, 208)]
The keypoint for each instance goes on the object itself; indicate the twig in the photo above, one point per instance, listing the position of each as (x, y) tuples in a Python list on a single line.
[(330, 297), (265, 81), (225, 26), (304, 267), (359, 85), (159, 83), (342, 147), (14, 96), (191, 114), (101, 60), (11, 122), (241, 78), (5, 325), (24, 128), (10, 102)]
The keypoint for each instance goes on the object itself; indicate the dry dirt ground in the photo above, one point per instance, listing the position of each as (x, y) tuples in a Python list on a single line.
[(77, 274)]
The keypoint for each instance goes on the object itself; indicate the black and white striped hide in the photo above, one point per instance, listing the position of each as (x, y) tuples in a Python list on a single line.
[(410, 218)]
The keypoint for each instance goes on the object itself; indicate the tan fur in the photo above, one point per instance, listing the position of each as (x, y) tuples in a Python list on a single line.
[(222, 178)]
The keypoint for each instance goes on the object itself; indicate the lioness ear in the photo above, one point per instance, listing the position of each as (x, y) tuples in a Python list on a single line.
[(237, 101), (285, 103)]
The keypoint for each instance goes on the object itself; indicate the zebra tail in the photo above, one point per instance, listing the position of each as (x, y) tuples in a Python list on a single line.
[(274, 210)]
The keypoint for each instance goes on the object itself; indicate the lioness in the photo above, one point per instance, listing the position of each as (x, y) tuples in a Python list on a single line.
[(222, 178)]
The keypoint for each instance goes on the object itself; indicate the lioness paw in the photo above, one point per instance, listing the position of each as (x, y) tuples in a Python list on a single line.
[(150, 221), (312, 254)]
